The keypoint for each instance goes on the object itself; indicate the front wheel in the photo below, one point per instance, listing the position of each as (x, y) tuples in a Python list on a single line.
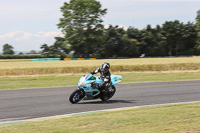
[(76, 96), (109, 94)]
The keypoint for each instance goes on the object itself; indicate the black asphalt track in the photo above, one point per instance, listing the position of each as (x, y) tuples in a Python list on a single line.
[(44, 102)]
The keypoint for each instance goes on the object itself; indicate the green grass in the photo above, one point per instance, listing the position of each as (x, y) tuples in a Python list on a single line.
[(180, 118), (38, 81), (72, 80)]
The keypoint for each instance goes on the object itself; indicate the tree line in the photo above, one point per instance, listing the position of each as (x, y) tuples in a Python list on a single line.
[(9, 50), (85, 35)]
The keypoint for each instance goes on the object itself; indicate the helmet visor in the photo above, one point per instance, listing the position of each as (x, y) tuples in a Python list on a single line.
[(104, 69)]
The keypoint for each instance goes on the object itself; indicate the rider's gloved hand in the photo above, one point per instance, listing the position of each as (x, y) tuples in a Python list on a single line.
[(91, 73)]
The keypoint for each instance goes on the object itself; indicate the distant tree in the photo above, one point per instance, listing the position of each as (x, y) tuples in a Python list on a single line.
[(8, 49), (149, 28), (32, 52), (118, 44), (197, 28), (145, 39), (45, 50), (130, 47), (81, 25), (188, 39), (180, 37), (49, 51), (160, 46), (112, 42), (59, 48), (20, 53), (174, 32)]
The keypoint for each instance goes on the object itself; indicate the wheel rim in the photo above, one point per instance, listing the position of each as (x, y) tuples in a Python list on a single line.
[(110, 93), (76, 97)]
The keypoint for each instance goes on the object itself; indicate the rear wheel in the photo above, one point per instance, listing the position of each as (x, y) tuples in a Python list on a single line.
[(76, 96), (109, 94)]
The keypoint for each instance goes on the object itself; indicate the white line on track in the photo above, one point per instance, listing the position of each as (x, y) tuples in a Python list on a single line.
[(23, 120)]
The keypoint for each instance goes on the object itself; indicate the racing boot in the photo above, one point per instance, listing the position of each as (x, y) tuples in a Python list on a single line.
[(104, 91)]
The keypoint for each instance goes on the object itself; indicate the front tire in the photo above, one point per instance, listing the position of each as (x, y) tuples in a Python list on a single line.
[(76, 96), (109, 94)]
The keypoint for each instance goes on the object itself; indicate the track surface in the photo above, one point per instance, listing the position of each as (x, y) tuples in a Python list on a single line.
[(43, 102)]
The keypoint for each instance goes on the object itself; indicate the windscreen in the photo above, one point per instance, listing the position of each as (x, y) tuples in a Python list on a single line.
[(89, 77)]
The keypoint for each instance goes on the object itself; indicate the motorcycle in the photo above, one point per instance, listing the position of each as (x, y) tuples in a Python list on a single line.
[(87, 90)]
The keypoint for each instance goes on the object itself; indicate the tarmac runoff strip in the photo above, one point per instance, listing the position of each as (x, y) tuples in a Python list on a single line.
[(26, 120)]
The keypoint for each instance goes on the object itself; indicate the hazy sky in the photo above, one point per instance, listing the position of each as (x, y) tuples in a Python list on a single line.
[(27, 24)]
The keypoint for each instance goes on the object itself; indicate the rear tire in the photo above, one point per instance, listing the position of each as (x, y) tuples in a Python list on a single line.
[(109, 94), (76, 96)]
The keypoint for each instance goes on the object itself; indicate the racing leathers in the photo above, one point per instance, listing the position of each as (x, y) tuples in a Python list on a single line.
[(105, 76)]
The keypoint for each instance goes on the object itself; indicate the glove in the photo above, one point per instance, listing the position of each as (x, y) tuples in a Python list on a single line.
[(91, 72)]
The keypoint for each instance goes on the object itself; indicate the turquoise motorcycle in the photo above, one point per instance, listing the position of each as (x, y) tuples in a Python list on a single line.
[(87, 90)]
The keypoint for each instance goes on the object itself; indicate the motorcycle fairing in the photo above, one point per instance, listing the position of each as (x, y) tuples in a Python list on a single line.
[(86, 80)]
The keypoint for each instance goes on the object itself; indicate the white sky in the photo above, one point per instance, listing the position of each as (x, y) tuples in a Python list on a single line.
[(27, 24)]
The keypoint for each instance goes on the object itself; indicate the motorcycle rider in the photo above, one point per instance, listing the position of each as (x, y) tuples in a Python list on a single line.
[(105, 76)]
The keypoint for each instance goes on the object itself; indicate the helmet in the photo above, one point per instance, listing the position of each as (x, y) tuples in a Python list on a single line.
[(105, 67)]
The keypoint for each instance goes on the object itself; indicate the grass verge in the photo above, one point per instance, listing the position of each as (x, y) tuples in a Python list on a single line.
[(72, 80), (179, 118)]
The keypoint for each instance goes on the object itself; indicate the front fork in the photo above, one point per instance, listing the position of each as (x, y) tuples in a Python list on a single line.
[(82, 95)]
